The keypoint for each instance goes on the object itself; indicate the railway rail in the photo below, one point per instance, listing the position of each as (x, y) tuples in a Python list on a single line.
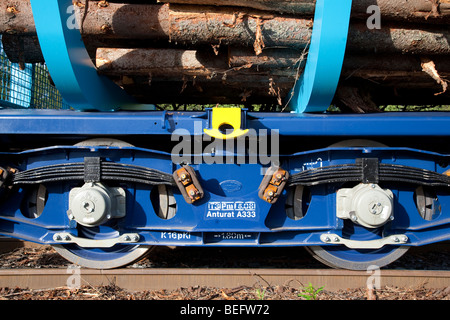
[(175, 278), (104, 187), (193, 269)]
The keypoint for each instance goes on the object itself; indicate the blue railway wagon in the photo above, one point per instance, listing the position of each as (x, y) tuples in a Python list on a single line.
[(109, 180)]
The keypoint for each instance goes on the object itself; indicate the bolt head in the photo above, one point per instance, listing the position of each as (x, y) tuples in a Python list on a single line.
[(88, 206)]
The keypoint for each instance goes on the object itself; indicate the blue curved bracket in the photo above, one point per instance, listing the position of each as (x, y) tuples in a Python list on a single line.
[(316, 87), (69, 63)]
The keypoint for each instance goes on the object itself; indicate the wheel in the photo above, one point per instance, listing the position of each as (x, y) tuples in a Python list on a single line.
[(353, 143), (103, 142), (341, 257), (102, 258)]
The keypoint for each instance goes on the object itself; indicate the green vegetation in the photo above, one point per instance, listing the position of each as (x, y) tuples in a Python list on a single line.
[(260, 293), (309, 292), (391, 108)]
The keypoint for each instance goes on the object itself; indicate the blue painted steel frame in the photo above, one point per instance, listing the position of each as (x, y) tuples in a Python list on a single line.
[(207, 222), (263, 224), (50, 122)]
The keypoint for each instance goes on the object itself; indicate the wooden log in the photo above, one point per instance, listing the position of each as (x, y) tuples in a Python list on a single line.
[(128, 25), (422, 11), (299, 7), (21, 49), (226, 93), (238, 76), (17, 17), (202, 93), (251, 80), (116, 20), (220, 26), (283, 58), (179, 63)]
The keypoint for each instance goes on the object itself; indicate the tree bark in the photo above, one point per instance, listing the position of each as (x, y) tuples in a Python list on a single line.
[(423, 11), (221, 26), (235, 55), (238, 76), (178, 63), (127, 25), (300, 7), (16, 15), (198, 92)]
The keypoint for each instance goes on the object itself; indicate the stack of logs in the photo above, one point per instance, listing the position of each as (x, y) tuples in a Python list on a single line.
[(251, 51)]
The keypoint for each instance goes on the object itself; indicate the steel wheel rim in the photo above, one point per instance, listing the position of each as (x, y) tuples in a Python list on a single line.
[(340, 258), (92, 258), (101, 258)]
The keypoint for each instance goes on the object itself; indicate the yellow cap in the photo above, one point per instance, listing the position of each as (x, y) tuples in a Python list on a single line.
[(223, 117)]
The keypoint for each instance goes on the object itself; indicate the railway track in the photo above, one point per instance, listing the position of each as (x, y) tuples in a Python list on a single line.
[(231, 268), (174, 278)]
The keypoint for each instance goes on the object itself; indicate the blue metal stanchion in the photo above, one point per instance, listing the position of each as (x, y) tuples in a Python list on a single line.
[(69, 63), (316, 87)]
